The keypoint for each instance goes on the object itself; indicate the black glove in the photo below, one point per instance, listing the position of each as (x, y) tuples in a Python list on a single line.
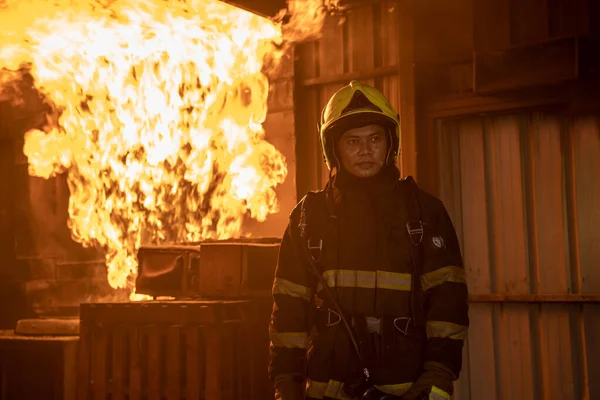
[(376, 394), (289, 388), (435, 374)]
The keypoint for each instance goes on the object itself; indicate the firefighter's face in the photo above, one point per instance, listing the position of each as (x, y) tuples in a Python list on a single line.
[(363, 150)]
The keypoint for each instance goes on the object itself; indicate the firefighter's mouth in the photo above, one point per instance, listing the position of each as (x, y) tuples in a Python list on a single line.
[(365, 164)]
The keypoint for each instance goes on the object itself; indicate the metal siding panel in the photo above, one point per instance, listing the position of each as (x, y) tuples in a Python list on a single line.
[(331, 48), (308, 61), (551, 269), (475, 222), (541, 351), (361, 55), (514, 352), (406, 72), (308, 151), (553, 266), (449, 152), (391, 90), (505, 176), (482, 353), (463, 188), (591, 317), (462, 387), (571, 203), (587, 171), (556, 356), (325, 93), (389, 23)]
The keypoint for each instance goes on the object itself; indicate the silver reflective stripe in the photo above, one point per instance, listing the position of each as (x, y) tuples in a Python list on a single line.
[(367, 279), (443, 329), (283, 286)]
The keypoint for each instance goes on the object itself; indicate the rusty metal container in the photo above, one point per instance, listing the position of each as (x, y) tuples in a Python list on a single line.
[(174, 350), (233, 268), (37, 367)]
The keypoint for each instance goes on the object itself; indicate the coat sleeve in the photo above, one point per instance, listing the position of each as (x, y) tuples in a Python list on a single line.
[(292, 304), (446, 295)]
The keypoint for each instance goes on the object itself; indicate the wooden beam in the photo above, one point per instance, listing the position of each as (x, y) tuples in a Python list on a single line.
[(346, 78), (534, 298), (470, 104), (263, 8)]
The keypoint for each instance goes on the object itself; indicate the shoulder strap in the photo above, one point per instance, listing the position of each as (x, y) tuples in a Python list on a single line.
[(308, 202), (415, 229)]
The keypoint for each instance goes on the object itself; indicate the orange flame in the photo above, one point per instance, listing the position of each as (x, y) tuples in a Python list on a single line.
[(160, 107)]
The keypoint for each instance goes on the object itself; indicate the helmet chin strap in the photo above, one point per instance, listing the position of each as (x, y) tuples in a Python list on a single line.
[(390, 156)]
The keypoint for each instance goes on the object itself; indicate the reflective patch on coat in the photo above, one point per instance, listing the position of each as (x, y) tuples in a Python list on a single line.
[(438, 242)]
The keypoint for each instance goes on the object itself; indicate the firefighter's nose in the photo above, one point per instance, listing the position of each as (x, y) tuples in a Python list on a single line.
[(364, 147)]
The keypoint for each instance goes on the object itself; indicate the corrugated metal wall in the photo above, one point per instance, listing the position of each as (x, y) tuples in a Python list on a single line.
[(524, 194), (362, 45)]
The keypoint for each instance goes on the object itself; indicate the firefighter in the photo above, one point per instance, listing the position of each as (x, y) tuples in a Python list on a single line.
[(370, 288)]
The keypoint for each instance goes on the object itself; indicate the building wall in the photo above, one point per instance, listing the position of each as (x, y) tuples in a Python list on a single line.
[(523, 192), (517, 171)]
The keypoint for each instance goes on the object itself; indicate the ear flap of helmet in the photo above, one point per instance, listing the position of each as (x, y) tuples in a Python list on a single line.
[(323, 149)]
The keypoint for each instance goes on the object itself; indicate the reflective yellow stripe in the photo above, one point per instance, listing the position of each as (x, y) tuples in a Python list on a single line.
[(396, 389), (335, 390), (446, 274), (289, 339), (393, 280), (283, 286), (367, 279), (438, 394), (443, 329), (315, 389)]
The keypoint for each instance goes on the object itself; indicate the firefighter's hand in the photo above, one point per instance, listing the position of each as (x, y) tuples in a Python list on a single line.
[(434, 383), (375, 394), (289, 388)]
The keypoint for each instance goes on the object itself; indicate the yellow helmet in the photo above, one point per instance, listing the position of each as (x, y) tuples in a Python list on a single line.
[(355, 105)]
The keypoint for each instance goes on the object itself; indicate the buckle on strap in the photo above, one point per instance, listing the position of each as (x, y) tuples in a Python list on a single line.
[(415, 230), (402, 324), (373, 325), (315, 249), (337, 315)]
